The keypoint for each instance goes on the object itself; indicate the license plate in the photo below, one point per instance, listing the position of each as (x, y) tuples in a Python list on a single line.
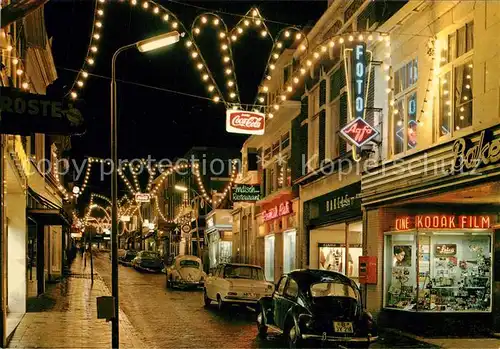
[(250, 295), (343, 327)]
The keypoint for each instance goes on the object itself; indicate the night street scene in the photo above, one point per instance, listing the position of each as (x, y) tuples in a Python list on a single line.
[(249, 174)]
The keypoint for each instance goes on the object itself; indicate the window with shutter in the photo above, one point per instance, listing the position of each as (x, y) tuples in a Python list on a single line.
[(342, 123), (322, 93), (322, 134), (337, 82)]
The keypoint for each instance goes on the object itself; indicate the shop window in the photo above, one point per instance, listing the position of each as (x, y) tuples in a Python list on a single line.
[(455, 104), (289, 245), (269, 257), (438, 271), (405, 108)]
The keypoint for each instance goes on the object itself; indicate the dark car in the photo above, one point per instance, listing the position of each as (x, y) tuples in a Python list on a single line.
[(317, 306), (148, 261), (127, 258)]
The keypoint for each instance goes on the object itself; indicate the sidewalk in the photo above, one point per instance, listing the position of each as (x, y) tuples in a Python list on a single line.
[(66, 317), (452, 343)]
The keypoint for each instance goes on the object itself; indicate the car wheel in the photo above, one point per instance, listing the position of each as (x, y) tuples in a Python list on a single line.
[(220, 304), (206, 300), (261, 326), (294, 341)]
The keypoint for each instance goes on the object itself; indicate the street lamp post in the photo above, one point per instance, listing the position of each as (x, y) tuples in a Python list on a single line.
[(150, 44)]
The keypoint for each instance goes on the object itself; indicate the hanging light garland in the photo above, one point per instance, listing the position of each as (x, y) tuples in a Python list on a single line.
[(204, 194)]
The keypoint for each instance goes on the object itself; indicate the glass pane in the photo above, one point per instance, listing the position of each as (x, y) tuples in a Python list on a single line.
[(398, 122), (412, 121), (444, 52), (444, 105), (397, 83), (409, 74), (289, 251), (269, 257), (463, 95), (454, 272), (470, 36), (333, 289), (415, 70), (452, 47), (461, 41), (400, 279)]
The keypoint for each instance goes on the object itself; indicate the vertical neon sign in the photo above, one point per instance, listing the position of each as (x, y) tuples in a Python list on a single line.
[(359, 80)]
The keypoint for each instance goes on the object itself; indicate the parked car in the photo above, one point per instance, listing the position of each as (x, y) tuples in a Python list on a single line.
[(127, 258), (185, 271), (317, 306), (148, 261), (232, 283)]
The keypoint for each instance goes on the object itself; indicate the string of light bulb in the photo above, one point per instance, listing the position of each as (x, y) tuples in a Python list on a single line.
[(201, 186)]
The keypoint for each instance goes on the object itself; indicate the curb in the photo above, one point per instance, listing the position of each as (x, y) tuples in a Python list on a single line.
[(408, 335)]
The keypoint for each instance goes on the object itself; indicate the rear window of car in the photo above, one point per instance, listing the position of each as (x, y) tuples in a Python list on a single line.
[(243, 272), (189, 264), (149, 255), (333, 289)]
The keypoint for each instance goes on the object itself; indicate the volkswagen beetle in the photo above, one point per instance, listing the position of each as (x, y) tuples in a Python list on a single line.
[(185, 271), (317, 306)]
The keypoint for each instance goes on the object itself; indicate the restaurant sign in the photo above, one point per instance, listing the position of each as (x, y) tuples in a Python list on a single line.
[(25, 113), (277, 211), (246, 192), (443, 221), (245, 122), (468, 156)]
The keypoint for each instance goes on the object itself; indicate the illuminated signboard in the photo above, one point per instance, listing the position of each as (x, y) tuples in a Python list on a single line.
[(245, 122), (436, 221), (358, 132), (359, 80), (468, 156), (283, 209), (142, 197), (246, 192)]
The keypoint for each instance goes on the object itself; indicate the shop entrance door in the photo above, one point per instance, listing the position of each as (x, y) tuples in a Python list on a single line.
[(269, 257)]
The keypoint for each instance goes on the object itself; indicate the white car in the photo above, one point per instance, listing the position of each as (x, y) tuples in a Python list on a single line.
[(185, 271), (233, 283)]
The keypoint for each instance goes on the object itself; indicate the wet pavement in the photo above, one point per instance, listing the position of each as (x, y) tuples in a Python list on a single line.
[(178, 319)]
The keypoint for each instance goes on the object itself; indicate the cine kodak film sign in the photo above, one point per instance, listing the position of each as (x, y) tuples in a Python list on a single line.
[(245, 122)]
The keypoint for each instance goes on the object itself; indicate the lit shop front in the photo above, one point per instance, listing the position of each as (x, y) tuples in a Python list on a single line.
[(334, 225), (277, 237), (220, 236), (432, 222)]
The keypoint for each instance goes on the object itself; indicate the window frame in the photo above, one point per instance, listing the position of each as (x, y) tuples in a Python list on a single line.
[(284, 280), (287, 287)]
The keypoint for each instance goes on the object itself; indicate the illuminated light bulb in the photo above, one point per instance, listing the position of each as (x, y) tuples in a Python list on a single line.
[(74, 95), (261, 99), (15, 61), (156, 10), (85, 74), (26, 85), (222, 35), (467, 87), (387, 44), (265, 88), (388, 90), (246, 22), (165, 18), (199, 66), (395, 111), (443, 59), (204, 19), (351, 38), (391, 103), (270, 115), (316, 54), (380, 38), (323, 48), (370, 37), (302, 71), (444, 81), (387, 78), (79, 83), (234, 37), (232, 95), (258, 22), (230, 83), (226, 59), (283, 97), (98, 24), (400, 123), (457, 128), (216, 21), (360, 37), (93, 49), (134, 2), (197, 30), (189, 43), (445, 92), (289, 88), (287, 34), (298, 36), (331, 43), (194, 54), (462, 109), (341, 40), (145, 4), (240, 30), (470, 65), (468, 76), (462, 117), (296, 80), (224, 47), (309, 63), (272, 66), (211, 88), (466, 98), (100, 12), (97, 36), (255, 13), (303, 47), (19, 72), (228, 71), (386, 66), (448, 102), (175, 25), (263, 33), (276, 56), (279, 44), (276, 107)]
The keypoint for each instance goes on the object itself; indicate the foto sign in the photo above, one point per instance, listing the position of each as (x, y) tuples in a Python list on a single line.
[(359, 79), (246, 192), (245, 122), (142, 197), (26, 113)]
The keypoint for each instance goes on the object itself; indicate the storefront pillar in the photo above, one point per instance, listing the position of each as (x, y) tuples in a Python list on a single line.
[(496, 282), (40, 259)]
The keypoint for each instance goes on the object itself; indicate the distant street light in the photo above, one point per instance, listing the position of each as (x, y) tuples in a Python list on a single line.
[(180, 187), (150, 44), (76, 190)]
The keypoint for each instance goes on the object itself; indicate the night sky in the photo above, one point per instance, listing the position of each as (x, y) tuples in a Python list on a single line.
[(154, 122)]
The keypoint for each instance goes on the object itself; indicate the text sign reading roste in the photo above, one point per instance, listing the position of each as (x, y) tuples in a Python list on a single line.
[(245, 122)]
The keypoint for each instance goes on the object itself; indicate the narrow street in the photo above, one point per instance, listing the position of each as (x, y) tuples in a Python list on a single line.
[(178, 319)]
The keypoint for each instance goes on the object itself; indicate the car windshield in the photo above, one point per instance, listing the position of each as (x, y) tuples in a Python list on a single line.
[(333, 289), (150, 255), (243, 272), (189, 264)]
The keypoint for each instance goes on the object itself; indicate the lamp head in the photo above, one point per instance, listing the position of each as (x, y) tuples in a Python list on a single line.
[(158, 41)]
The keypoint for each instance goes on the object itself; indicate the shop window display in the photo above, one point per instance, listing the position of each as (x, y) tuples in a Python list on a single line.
[(438, 271)]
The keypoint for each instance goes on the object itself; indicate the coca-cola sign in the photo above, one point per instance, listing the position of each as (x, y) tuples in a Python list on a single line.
[(359, 132), (245, 122)]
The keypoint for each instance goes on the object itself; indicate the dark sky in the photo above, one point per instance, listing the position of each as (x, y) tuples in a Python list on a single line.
[(152, 122)]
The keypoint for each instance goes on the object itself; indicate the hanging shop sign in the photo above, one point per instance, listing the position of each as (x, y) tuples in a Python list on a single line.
[(142, 197), (283, 209), (468, 156), (25, 113), (436, 221), (358, 132), (246, 192), (245, 122)]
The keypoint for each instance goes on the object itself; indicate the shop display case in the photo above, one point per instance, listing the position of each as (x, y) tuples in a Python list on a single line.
[(438, 271)]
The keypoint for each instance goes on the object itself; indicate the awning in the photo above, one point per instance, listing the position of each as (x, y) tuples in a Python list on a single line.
[(44, 211)]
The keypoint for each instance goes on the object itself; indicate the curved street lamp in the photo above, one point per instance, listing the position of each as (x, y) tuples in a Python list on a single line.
[(146, 45)]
